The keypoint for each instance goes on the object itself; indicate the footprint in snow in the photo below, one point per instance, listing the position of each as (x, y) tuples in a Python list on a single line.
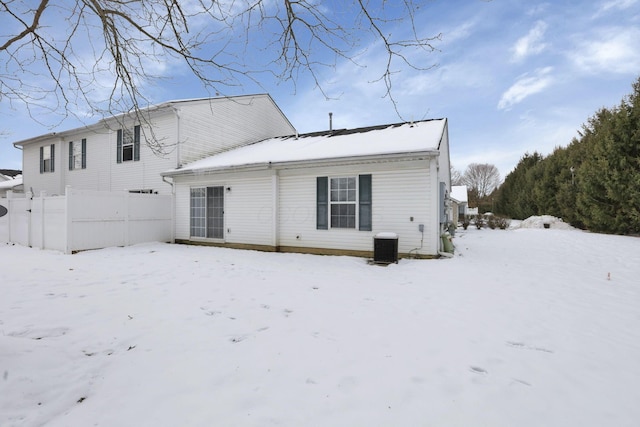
[(522, 345), (515, 380), (478, 370), (208, 312), (38, 334)]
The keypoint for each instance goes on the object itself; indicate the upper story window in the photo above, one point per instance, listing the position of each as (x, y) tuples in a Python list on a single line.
[(128, 144), (47, 158), (78, 154)]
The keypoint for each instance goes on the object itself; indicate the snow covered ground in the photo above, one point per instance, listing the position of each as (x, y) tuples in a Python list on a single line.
[(525, 327)]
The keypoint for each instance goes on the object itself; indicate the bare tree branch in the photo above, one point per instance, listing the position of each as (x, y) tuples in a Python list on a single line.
[(86, 57)]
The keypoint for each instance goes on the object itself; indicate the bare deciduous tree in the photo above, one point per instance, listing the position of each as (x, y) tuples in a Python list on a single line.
[(86, 57), (456, 177), (481, 179)]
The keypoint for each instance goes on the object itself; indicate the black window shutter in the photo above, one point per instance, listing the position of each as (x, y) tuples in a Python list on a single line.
[(322, 203), (41, 159), (53, 157), (364, 185), (70, 155), (84, 153), (119, 147), (136, 143)]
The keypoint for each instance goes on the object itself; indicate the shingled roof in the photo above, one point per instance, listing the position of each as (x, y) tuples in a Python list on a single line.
[(10, 172), (382, 140)]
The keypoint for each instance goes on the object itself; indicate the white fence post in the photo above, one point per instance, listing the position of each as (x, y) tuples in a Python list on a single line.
[(28, 205)]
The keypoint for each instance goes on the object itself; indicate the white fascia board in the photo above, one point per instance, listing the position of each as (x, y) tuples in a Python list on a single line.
[(377, 158)]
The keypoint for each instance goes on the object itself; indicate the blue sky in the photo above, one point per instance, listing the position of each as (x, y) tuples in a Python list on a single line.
[(511, 76)]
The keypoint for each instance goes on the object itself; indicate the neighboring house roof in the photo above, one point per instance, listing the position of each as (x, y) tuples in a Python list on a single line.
[(459, 193), (101, 124), (11, 183), (384, 140), (9, 173)]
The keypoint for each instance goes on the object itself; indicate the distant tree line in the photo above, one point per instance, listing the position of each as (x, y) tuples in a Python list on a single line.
[(482, 180), (593, 183)]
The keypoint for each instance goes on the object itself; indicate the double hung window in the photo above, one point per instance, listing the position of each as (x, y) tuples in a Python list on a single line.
[(78, 154), (128, 144), (343, 202), (47, 158)]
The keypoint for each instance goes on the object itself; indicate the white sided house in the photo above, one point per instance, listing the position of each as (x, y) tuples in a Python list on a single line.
[(460, 202), (327, 192), (115, 155)]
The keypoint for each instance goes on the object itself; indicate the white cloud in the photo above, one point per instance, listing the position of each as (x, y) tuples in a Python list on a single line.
[(530, 44), (459, 32), (617, 4), (538, 9), (526, 85), (613, 51)]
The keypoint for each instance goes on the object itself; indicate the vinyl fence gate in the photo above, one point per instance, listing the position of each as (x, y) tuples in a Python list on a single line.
[(82, 219)]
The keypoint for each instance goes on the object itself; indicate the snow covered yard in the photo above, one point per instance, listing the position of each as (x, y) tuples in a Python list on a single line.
[(524, 327)]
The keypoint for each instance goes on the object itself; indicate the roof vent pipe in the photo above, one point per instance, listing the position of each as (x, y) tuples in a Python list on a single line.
[(330, 122)]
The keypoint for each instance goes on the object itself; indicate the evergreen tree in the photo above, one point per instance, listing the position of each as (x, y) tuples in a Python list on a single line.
[(567, 182), (593, 183), (609, 196), (514, 199)]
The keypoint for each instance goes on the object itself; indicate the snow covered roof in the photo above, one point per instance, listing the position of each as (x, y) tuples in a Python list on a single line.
[(459, 193), (401, 138), (11, 183)]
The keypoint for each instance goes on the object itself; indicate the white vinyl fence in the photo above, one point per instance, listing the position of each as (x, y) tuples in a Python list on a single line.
[(82, 220)]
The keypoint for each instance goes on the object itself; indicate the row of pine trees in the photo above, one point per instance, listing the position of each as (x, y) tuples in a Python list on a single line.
[(593, 183)]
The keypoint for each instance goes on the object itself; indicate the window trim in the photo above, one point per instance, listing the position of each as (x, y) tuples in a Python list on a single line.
[(51, 158), (347, 202), (133, 144), (363, 202), (82, 155)]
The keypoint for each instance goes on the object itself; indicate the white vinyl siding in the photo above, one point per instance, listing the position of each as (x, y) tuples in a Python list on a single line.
[(145, 174), (95, 176), (35, 181), (248, 206), (192, 129), (208, 127), (397, 196), (402, 198)]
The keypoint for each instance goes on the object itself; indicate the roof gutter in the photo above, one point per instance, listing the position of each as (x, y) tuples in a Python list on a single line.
[(298, 164)]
